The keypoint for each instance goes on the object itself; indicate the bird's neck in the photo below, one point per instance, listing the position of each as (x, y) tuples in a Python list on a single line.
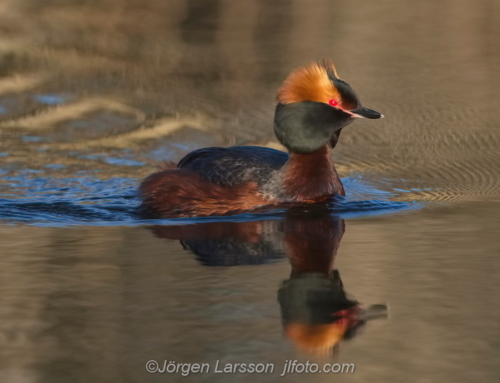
[(311, 176)]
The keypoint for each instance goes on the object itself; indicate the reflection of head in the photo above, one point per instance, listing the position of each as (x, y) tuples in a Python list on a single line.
[(316, 312)]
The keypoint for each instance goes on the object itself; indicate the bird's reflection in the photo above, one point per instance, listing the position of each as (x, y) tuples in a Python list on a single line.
[(316, 311)]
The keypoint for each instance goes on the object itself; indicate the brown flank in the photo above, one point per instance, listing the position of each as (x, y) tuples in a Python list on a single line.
[(184, 193)]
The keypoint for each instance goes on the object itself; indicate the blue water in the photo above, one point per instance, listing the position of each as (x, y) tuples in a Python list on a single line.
[(51, 99), (32, 197)]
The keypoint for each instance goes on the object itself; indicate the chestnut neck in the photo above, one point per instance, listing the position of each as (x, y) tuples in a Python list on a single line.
[(311, 176)]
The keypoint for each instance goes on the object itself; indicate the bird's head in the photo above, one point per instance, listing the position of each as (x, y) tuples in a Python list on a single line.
[(314, 104)]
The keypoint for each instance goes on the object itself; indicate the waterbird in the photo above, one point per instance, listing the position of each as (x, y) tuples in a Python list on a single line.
[(314, 105)]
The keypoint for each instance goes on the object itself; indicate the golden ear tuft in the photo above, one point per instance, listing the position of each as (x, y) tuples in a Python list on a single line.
[(310, 83)]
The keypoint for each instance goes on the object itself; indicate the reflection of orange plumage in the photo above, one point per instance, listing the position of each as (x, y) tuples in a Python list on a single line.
[(321, 338)]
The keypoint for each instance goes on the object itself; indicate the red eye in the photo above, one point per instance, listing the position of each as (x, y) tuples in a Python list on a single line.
[(333, 102)]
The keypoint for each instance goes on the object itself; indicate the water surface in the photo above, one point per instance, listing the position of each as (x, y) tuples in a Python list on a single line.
[(95, 95)]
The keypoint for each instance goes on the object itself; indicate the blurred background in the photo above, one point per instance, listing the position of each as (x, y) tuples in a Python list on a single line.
[(94, 95)]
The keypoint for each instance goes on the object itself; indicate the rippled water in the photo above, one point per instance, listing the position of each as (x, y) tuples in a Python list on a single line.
[(30, 197), (399, 278)]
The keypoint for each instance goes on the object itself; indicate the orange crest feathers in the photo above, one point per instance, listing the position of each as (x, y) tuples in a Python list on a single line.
[(310, 83)]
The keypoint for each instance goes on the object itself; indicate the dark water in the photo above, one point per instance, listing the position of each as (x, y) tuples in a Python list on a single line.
[(400, 278)]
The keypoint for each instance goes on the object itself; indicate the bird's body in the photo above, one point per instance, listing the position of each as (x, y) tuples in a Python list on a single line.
[(221, 181)]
